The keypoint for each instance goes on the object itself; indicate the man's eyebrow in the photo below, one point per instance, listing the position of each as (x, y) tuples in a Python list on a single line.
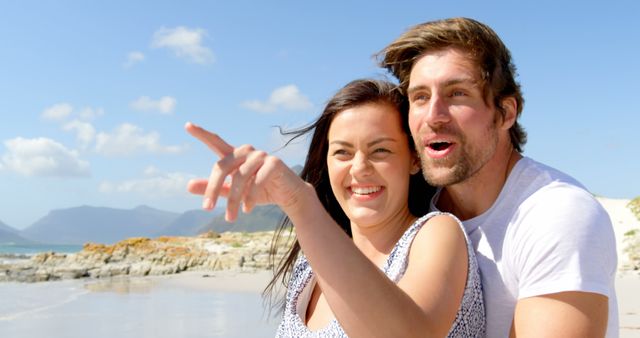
[(448, 83), (461, 80), (416, 88)]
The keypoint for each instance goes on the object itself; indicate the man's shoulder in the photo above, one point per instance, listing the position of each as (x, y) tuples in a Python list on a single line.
[(551, 195), (562, 212), (562, 199), (532, 181), (540, 174), (560, 217)]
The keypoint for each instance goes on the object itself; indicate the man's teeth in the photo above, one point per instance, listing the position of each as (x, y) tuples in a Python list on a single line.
[(365, 191)]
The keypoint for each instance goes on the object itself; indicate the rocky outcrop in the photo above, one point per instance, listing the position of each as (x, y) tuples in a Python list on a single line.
[(144, 256)]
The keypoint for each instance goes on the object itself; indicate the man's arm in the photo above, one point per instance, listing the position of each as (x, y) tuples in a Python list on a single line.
[(563, 314)]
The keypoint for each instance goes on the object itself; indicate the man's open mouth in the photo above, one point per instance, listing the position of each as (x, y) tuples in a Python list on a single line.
[(439, 146)]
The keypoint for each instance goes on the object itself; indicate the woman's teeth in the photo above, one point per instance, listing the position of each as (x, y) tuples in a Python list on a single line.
[(365, 191)]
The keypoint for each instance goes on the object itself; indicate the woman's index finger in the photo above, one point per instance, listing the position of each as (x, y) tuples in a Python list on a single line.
[(213, 141)]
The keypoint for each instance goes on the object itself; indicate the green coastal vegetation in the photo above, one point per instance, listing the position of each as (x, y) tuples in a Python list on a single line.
[(632, 237), (634, 206)]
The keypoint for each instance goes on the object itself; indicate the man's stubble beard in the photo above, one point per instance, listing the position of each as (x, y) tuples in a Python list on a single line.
[(470, 159)]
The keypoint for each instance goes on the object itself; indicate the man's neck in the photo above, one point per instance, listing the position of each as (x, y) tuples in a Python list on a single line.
[(475, 195)]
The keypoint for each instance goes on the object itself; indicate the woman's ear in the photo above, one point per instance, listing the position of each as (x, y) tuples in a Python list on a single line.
[(415, 165)]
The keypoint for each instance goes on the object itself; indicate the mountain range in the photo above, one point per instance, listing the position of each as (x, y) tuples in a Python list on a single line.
[(84, 224), (11, 235)]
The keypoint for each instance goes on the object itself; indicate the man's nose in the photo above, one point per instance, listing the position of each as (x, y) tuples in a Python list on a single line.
[(437, 111)]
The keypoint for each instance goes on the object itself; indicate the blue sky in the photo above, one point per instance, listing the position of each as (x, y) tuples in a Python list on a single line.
[(94, 96)]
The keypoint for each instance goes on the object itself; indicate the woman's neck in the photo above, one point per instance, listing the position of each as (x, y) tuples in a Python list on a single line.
[(377, 241)]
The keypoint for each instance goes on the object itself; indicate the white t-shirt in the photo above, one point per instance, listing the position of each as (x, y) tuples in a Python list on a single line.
[(544, 234)]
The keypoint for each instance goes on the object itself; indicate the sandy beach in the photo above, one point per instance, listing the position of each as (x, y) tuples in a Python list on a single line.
[(627, 290), (192, 304), (627, 282), (208, 304), (223, 281)]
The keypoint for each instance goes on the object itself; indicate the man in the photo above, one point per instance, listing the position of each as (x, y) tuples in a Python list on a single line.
[(545, 246)]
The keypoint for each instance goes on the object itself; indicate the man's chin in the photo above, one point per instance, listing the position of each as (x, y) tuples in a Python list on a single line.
[(441, 177)]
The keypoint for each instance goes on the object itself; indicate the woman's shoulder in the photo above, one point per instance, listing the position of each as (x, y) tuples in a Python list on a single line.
[(440, 233), (438, 223)]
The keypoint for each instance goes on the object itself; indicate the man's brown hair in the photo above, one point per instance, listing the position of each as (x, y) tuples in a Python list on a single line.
[(482, 46)]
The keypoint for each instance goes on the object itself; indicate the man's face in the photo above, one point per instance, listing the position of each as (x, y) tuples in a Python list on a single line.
[(455, 132)]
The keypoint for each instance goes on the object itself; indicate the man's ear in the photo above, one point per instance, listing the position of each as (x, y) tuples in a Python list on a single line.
[(510, 107)]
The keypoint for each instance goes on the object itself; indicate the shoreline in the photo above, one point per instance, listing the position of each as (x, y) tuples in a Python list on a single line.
[(186, 304), (628, 304), (252, 280), (220, 281)]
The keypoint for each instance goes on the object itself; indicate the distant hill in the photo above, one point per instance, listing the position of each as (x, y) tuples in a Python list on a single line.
[(262, 218), (11, 235), (84, 224), (6, 228), (98, 224), (189, 223)]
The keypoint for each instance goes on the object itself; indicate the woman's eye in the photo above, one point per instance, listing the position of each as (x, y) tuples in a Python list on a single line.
[(340, 152), (380, 153)]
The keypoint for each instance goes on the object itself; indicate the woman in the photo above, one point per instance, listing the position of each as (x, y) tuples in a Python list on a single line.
[(380, 271)]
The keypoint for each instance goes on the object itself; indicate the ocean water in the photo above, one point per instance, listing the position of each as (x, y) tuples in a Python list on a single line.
[(129, 307), (11, 253), (29, 249)]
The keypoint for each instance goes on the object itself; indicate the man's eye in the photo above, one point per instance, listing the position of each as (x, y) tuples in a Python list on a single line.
[(458, 93), (420, 97)]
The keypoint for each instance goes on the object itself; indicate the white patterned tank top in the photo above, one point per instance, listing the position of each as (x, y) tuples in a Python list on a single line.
[(470, 318)]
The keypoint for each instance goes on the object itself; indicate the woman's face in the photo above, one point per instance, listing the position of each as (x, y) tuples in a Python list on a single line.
[(370, 163)]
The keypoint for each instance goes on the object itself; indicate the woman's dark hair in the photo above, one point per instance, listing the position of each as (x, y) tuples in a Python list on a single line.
[(315, 171)]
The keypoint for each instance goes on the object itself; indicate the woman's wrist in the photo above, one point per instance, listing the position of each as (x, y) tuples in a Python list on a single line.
[(302, 203)]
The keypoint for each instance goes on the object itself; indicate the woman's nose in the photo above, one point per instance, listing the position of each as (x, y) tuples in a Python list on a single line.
[(360, 165)]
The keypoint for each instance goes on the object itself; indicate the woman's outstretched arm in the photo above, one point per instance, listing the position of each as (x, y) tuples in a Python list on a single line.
[(365, 302)]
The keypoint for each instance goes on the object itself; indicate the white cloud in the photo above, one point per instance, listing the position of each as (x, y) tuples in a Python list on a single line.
[(133, 58), (85, 132), (57, 112), (88, 113), (62, 111), (165, 105), (286, 97), (154, 183), (43, 157), (184, 43), (128, 139)]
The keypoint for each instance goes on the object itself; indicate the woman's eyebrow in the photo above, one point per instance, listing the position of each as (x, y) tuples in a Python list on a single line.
[(372, 143)]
